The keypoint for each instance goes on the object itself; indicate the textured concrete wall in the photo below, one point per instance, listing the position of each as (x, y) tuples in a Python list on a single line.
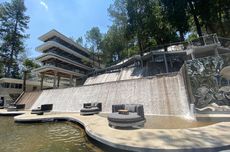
[(165, 95)]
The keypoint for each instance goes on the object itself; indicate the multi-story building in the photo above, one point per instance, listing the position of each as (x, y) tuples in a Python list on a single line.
[(63, 58), (10, 88)]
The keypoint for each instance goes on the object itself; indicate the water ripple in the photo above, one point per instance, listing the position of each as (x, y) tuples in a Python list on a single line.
[(44, 137)]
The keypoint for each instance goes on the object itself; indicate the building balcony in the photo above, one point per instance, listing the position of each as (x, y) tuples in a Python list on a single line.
[(51, 44), (54, 33), (49, 56), (50, 69)]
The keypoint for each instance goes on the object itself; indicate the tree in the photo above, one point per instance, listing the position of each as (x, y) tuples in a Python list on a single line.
[(13, 25), (139, 25), (118, 48), (148, 24), (176, 12), (138, 21), (193, 11), (214, 15), (113, 45), (29, 65), (80, 41), (119, 14), (94, 38)]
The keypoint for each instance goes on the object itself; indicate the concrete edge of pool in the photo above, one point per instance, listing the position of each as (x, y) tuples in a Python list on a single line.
[(209, 138), (4, 112)]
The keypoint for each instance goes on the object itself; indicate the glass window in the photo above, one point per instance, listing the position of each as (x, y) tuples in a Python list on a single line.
[(17, 86), (12, 85), (2, 85), (20, 86), (6, 85)]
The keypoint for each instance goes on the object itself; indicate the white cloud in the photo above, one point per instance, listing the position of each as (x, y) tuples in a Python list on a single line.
[(44, 5)]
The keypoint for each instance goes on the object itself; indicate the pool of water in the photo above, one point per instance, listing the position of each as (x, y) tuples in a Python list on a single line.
[(43, 137), (70, 137)]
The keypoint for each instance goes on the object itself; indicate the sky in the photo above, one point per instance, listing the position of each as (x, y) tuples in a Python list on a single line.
[(70, 17)]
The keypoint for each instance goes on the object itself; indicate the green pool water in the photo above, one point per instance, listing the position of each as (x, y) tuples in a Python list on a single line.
[(43, 137)]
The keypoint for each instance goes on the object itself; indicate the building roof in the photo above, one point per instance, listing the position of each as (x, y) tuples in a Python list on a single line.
[(54, 32)]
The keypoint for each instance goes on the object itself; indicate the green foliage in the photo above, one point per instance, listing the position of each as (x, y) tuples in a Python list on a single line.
[(214, 15), (113, 44), (13, 23), (80, 41), (118, 13), (94, 37), (139, 25), (30, 64), (192, 36), (176, 14), (148, 21)]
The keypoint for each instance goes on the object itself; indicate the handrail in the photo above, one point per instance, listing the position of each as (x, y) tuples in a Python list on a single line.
[(225, 42), (16, 101), (205, 40), (117, 66)]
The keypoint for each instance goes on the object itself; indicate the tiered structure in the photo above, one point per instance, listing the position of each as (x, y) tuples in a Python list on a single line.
[(63, 58)]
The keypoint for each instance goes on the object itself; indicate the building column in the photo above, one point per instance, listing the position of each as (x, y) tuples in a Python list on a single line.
[(55, 79), (58, 83), (166, 64), (24, 80), (75, 82), (152, 57), (71, 80), (42, 79)]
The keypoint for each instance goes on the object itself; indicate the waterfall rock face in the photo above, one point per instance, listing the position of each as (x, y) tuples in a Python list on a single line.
[(160, 95)]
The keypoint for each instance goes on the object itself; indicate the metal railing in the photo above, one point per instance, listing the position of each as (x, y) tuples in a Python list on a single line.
[(205, 40), (211, 39), (225, 42)]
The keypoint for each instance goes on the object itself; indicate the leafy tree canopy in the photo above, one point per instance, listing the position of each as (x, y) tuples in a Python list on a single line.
[(13, 23)]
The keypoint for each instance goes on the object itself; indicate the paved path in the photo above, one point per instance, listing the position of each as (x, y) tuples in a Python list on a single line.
[(206, 138)]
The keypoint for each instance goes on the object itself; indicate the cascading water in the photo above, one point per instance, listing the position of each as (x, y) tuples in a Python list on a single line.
[(125, 74), (160, 95)]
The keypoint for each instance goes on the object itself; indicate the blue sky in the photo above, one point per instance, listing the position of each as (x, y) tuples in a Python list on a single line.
[(70, 17)]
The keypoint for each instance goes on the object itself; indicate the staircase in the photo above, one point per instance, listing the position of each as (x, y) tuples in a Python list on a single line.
[(29, 98)]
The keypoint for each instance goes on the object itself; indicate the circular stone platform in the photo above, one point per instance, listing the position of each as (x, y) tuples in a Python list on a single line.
[(209, 138)]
